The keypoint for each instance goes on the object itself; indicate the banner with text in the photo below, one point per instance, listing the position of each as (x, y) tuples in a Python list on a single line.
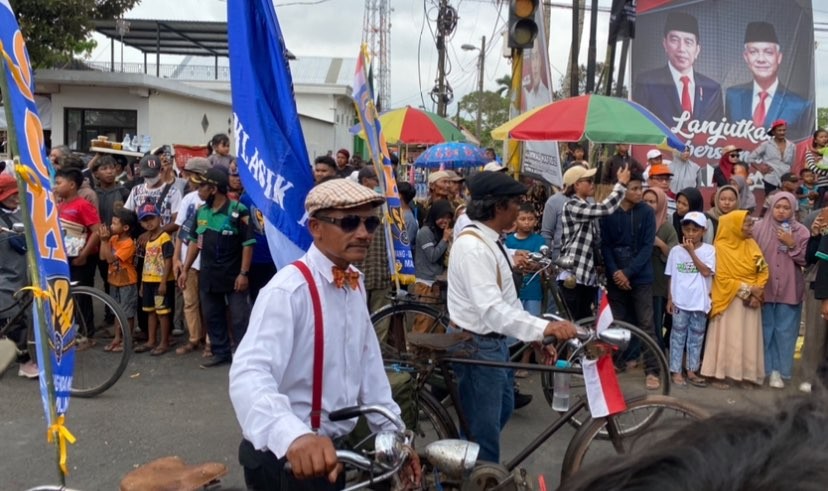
[(719, 73), (541, 160)]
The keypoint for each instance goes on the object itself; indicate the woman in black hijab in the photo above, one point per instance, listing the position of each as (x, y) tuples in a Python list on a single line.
[(687, 200)]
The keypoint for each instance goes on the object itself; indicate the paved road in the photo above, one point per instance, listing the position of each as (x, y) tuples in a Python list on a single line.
[(168, 406)]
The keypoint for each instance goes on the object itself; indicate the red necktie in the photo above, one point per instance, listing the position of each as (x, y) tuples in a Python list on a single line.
[(686, 102), (759, 114), (341, 276)]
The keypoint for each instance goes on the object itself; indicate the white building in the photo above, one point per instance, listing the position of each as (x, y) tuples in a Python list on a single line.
[(187, 110)]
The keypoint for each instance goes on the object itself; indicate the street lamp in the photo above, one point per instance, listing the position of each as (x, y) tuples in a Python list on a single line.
[(481, 60)]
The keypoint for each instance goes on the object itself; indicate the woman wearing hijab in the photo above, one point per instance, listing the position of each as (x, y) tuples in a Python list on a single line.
[(784, 244), (665, 239), (747, 201), (734, 347), (725, 201), (433, 241), (723, 173), (687, 200)]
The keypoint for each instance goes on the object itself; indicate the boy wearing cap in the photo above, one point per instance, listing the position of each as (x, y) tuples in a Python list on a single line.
[(483, 301), (157, 282), (581, 236), (225, 247), (165, 196), (690, 268), (272, 383), (196, 168), (774, 157)]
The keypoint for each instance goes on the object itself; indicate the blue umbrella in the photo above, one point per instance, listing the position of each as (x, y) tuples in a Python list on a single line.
[(452, 155)]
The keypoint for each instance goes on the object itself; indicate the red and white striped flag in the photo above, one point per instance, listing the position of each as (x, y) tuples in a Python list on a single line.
[(603, 392)]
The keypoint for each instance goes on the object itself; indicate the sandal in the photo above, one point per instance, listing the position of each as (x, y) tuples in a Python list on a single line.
[(207, 353), (697, 381), (187, 348), (118, 349), (521, 373), (678, 380), (652, 382), (143, 348), (111, 346), (159, 350)]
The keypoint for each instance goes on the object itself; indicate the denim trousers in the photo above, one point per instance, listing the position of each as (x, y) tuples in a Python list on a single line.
[(688, 332), (486, 394), (215, 305), (636, 307), (780, 328)]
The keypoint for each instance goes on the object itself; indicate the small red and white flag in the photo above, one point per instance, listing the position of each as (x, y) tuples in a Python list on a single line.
[(603, 391)]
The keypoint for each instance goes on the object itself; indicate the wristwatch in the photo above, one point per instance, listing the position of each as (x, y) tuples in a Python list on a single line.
[(243, 273)]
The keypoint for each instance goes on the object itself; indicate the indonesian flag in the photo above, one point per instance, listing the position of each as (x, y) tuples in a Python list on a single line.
[(603, 392)]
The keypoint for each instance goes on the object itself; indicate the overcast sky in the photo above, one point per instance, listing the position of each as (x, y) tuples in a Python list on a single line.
[(334, 28)]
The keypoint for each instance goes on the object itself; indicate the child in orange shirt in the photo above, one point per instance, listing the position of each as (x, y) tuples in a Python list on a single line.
[(118, 249)]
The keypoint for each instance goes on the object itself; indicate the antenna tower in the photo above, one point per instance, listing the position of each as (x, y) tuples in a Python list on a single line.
[(376, 33)]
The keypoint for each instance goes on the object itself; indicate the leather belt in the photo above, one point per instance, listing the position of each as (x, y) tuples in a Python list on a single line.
[(491, 335)]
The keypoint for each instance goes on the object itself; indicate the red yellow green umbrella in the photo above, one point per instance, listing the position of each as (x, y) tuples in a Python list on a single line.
[(410, 126), (600, 119)]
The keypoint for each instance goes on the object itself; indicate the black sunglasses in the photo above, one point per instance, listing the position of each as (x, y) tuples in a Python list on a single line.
[(350, 223)]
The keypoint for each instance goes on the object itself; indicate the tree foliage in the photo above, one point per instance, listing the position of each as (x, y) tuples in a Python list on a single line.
[(495, 111), (57, 30), (822, 117)]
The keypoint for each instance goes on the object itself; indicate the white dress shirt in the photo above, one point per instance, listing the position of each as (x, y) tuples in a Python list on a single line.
[(771, 93), (680, 85), (475, 301), (271, 377)]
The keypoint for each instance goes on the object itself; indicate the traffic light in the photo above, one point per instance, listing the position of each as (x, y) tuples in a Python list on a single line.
[(522, 26)]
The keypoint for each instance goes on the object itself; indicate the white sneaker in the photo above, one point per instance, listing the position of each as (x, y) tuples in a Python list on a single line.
[(805, 387), (775, 380), (28, 370)]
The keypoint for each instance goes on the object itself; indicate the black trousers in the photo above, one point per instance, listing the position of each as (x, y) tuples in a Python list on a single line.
[(264, 472), (636, 307), (578, 300), (260, 274)]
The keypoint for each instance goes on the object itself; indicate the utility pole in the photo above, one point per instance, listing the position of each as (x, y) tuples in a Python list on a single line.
[(442, 94), (573, 53), (480, 85), (591, 51)]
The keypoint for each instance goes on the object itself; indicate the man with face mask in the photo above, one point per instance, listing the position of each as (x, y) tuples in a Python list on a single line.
[(224, 240), (165, 196)]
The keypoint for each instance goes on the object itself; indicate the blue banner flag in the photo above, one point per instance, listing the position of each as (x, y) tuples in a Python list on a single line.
[(273, 161), (400, 259), (48, 266)]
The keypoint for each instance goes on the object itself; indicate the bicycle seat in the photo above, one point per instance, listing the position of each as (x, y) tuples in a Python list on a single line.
[(172, 474), (437, 342)]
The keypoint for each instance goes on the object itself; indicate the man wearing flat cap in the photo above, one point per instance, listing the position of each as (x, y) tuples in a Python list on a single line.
[(281, 390), (677, 88), (483, 301), (766, 99)]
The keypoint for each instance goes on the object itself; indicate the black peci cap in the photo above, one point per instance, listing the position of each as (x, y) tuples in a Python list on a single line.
[(760, 32), (682, 21), (494, 185)]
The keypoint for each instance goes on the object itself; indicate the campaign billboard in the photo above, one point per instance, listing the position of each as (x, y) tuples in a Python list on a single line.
[(541, 160), (721, 72)]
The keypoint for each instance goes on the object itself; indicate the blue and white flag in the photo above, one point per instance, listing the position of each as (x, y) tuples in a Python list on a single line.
[(272, 158)]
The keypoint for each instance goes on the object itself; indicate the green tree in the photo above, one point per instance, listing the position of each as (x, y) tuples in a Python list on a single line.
[(495, 111), (582, 79), (822, 117), (58, 30)]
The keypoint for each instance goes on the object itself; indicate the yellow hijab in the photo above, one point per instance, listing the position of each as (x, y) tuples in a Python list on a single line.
[(739, 261)]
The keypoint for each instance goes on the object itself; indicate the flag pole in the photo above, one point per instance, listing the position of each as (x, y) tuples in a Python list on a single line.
[(43, 359)]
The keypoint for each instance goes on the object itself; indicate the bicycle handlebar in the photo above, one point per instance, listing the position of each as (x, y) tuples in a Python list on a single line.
[(357, 411)]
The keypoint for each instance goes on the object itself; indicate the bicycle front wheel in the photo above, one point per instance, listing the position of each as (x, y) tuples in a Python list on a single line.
[(632, 379), (646, 421), (96, 370), (400, 318)]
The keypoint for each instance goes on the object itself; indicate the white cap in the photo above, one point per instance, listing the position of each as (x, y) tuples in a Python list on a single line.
[(493, 166), (653, 154), (696, 217)]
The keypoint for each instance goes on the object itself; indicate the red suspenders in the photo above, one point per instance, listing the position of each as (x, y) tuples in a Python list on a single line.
[(318, 347)]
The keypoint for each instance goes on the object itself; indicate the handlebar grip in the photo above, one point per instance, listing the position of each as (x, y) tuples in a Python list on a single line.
[(547, 340), (346, 413)]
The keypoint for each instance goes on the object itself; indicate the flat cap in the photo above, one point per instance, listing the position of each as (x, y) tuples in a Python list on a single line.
[(494, 185), (436, 176), (340, 194)]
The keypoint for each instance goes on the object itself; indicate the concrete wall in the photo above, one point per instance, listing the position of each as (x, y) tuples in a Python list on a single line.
[(176, 119), (71, 96)]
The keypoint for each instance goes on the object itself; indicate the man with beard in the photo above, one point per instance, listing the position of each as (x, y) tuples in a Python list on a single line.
[(678, 88), (765, 99)]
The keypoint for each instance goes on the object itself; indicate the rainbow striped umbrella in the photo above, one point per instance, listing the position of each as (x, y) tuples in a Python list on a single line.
[(410, 126), (600, 119)]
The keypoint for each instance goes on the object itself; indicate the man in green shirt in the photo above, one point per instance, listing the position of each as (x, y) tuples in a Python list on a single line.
[(225, 242)]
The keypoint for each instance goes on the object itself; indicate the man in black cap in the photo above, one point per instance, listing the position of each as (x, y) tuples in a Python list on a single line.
[(225, 244), (765, 99), (677, 88), (483, 301)]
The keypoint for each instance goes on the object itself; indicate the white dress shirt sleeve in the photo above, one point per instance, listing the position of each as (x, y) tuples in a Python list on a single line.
[(375, 389), (474, 266), (258, 367)]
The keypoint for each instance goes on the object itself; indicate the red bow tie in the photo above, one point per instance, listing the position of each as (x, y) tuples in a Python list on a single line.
[(341, 276)]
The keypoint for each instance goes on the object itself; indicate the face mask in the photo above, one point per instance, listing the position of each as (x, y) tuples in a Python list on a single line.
[(378, 190), (152, 181)]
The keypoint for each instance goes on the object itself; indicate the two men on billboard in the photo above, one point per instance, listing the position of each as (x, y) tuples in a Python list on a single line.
[(765, 99), (677, 88)]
